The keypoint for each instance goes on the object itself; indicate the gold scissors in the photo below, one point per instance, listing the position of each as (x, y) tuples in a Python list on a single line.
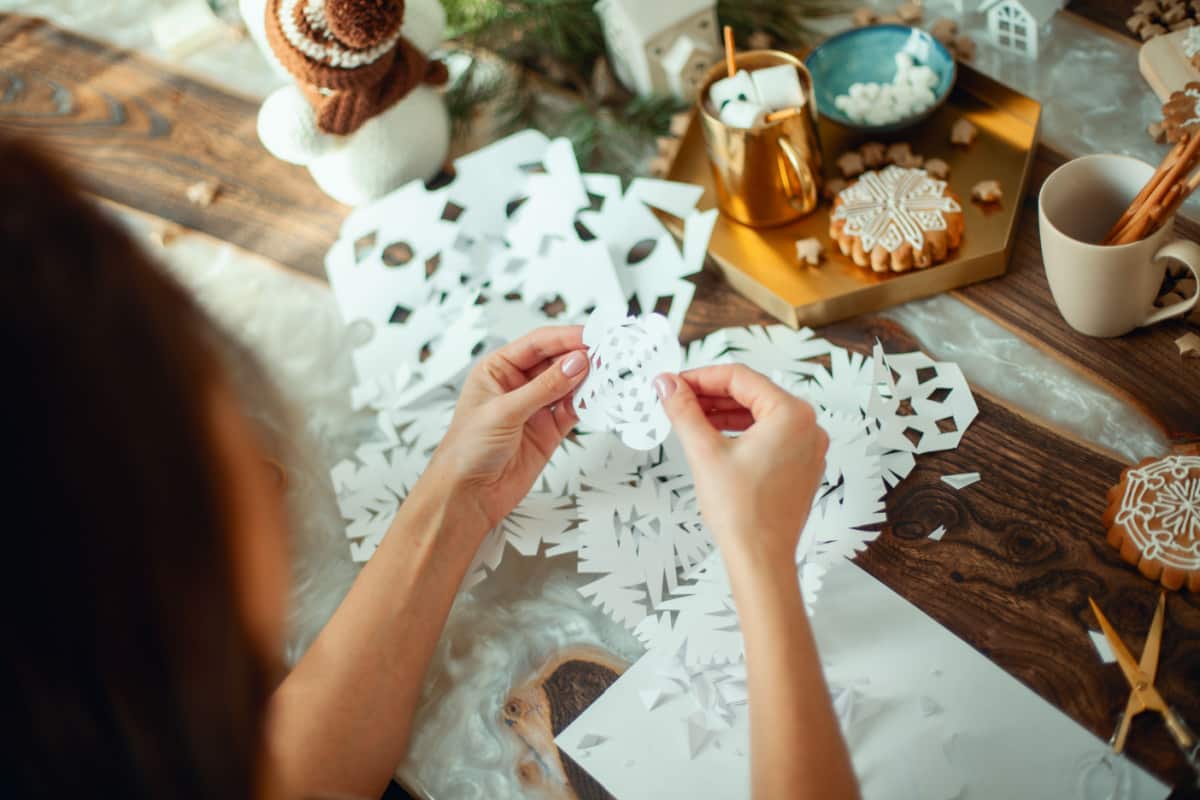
[(1144, 696)]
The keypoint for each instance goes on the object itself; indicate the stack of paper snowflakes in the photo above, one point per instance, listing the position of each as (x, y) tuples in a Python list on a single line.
[(521, 239)]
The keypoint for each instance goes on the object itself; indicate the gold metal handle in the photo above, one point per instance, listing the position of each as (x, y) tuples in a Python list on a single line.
[(804, 188), (1183, 737)]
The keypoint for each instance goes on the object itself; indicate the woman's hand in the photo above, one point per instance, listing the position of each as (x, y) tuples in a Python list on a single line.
[(514, 410), (755, 490)]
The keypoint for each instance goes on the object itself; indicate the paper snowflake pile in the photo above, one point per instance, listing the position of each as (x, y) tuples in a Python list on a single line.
[(520, 239)]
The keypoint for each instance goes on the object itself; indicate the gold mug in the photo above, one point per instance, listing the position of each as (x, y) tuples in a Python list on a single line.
[(771, 174)]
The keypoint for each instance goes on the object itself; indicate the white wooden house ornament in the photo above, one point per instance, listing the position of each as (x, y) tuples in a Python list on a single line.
[(1014, 25), (660, 46)]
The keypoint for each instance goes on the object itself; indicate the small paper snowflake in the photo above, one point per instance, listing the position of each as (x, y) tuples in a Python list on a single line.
[(627, 354)]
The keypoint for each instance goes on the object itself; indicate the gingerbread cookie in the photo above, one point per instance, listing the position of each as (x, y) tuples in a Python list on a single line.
[(896, 219), (1181, 113), (963, 133), (1153, 518), (987, 192)]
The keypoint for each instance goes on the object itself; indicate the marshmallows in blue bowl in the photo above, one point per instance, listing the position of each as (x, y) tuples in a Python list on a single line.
[(881, 79)]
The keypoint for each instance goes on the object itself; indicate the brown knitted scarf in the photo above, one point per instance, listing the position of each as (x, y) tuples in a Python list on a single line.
[(348, 57)]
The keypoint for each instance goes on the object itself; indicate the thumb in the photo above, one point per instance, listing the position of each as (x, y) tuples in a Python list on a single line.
[(683, 409), (552, 385)]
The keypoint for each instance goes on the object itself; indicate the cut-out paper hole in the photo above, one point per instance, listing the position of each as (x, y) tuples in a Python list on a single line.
[(663, 305), (946, 425), (552, 308), (627, 354), (513, 205), (939, 395), (640, 251), (585, 234), (364, 245), (397, 254), (400, 315), (431, 265), (926, 374), (452, 211)]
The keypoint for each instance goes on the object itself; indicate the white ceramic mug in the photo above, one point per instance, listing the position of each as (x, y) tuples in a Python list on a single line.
[(1105, 290)]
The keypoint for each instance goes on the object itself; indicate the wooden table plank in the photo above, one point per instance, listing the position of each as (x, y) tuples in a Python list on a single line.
[(141, 134), (1024, 549), (1109, 13), (1143, 366)]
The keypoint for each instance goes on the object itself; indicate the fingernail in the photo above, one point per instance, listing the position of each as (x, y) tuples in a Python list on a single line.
[(665, 386), (574, 364)]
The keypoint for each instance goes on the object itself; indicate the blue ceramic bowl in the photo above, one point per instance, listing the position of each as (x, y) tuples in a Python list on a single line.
[(863, 55)]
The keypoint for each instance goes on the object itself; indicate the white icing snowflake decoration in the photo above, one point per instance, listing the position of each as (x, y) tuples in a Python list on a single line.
[(893, 206), (627, 354), (1161, 511)]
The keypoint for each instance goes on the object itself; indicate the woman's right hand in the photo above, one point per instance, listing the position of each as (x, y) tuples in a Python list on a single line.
[(756, 489)]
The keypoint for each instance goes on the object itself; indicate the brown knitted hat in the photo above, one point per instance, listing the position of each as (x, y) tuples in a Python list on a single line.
[(348, 57)]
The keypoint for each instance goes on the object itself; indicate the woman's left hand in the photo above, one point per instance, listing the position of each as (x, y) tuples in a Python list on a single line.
[(514, 410)]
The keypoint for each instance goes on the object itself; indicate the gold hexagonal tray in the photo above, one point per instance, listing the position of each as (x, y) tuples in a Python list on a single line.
[(761, 263)]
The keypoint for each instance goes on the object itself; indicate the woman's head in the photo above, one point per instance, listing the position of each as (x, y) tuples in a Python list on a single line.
[(146, 574)]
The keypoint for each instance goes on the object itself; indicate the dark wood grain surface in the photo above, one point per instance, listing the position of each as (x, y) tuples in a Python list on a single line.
[(141, 134), (1144, 366), (1109, 13), (1023, 549)]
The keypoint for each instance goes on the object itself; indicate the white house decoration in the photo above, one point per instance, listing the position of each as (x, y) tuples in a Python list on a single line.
[(660, 46), (1014, 25)]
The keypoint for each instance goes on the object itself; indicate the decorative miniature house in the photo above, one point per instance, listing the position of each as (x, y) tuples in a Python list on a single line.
[(663, 46), (1014, 25)]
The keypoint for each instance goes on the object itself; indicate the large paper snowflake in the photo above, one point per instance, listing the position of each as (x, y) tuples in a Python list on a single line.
[(640, 530), (894, 206)]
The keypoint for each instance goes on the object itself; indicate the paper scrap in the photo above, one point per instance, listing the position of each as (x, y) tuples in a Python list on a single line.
[(937, 533), (1189, 345), (1103, 648), (962, 480)]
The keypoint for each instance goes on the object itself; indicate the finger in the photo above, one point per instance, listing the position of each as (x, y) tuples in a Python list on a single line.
[(564, 416), (687, 417), (720, 404), (751, 389), (544, 344), (731, 420), (551, 386)]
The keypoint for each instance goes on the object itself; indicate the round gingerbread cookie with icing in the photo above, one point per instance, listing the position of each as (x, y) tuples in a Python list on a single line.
[(895, 219), (1153, 518)]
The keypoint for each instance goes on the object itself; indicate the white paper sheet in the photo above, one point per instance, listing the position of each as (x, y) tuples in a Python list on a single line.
[(993, 735)]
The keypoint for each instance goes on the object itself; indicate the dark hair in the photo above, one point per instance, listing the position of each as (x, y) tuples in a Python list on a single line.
[(128, 669)]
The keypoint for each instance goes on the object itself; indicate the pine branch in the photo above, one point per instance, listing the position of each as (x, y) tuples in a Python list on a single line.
[(783, 19), (529, 31)]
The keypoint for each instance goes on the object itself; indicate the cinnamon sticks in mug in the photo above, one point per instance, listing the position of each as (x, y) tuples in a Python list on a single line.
[(1161, 197)]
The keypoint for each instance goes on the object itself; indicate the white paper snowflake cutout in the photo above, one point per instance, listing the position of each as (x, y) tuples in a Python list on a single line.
[(627, 354), (894, 206)]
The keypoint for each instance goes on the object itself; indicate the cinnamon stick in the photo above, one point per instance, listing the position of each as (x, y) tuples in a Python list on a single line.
[(730, 63), (783, 113), (1168, 161)]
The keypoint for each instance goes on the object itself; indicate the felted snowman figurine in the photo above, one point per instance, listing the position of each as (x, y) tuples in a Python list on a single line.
[(362, 114)]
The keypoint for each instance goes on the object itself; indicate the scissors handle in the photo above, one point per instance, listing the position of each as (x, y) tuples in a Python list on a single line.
[(1183, 737)]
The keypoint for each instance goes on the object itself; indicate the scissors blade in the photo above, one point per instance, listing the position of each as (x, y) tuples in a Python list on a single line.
[(1125, 660), (1149, 662)]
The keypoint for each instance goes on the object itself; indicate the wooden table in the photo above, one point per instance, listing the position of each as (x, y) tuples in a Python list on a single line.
[(1023, 549)]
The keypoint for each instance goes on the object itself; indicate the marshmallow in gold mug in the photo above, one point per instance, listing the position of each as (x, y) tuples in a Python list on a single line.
[(769, 174), (1105, 290)]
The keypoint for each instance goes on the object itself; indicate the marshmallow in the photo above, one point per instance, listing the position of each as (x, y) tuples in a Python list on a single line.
[(740, 114), (910, 92), (738, 88), (778, 87)]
